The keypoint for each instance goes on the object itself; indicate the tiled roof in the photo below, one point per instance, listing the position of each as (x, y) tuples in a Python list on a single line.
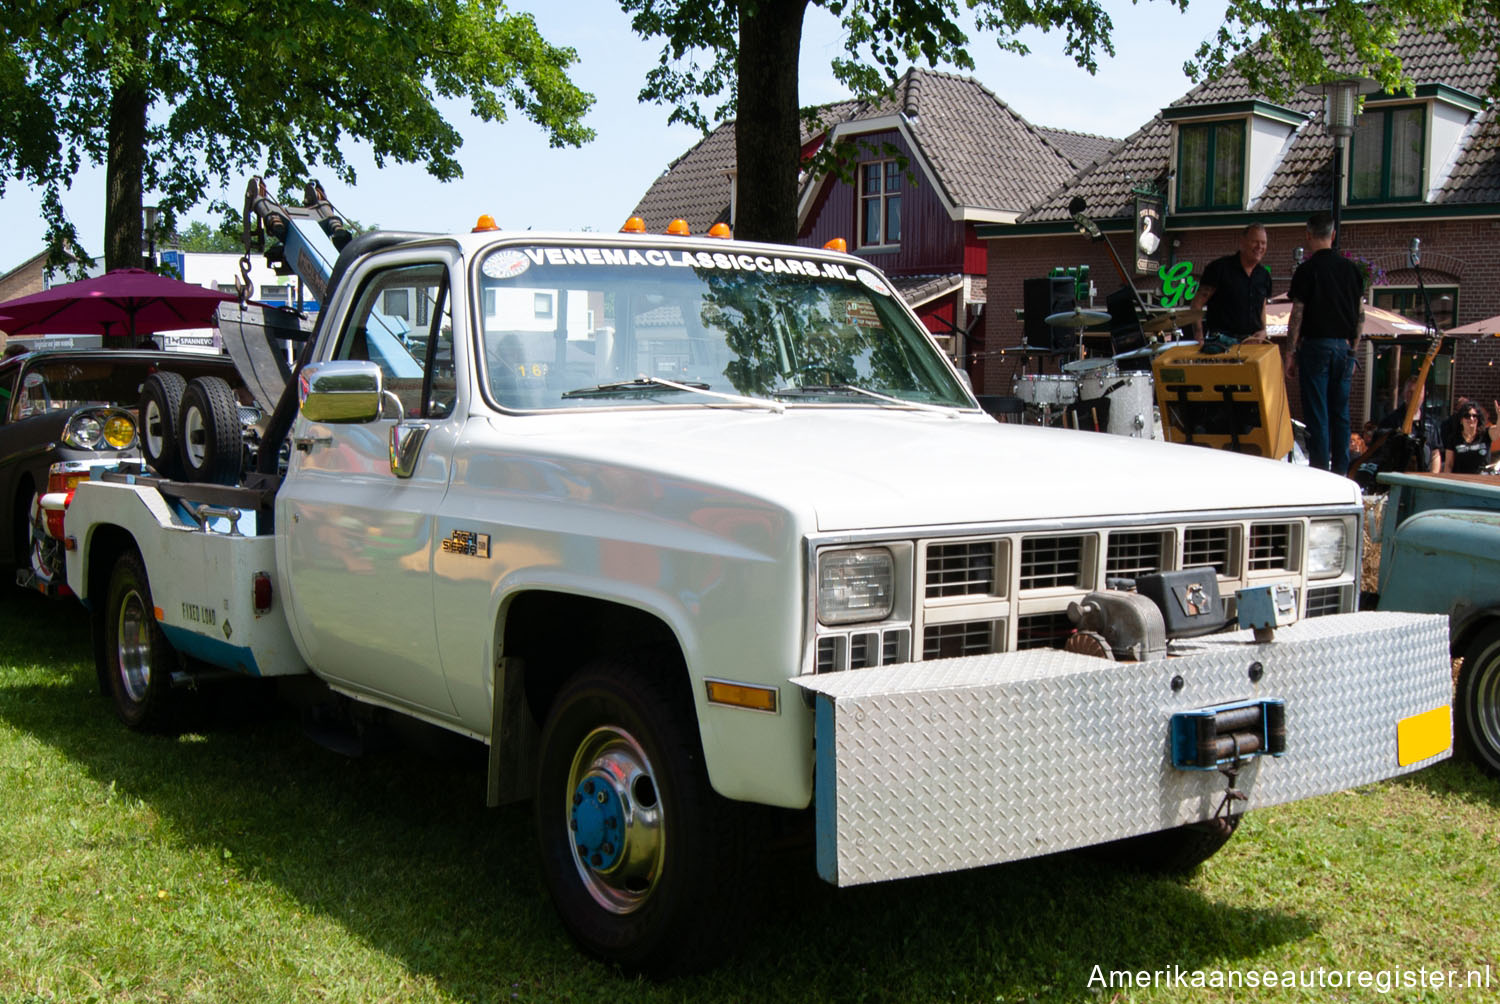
[(1303, 178), (983, 154), (1081, 148), (918, 289)]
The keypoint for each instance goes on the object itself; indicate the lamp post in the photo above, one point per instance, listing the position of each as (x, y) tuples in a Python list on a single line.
[(151, 213), (1341, 106)]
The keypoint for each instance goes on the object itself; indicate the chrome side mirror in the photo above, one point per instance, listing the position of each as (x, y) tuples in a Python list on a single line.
[(340, 391)]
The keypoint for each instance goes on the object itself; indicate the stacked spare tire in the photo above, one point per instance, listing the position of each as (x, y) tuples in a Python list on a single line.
[(191, 430)]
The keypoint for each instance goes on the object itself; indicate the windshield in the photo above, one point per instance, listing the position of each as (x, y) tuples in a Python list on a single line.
[(576, 327)]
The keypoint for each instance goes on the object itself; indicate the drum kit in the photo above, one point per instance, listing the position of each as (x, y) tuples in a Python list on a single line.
[(1112, 394)]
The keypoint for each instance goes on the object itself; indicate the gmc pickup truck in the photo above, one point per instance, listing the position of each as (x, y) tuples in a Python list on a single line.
[(694, 533)]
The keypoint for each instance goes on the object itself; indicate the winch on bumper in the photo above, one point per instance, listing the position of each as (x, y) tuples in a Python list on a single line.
[(959, 763)]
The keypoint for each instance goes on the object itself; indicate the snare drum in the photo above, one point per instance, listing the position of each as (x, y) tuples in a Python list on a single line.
[(1054, 390), (1097, 379)]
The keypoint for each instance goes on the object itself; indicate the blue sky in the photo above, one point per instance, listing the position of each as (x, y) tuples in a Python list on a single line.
[(510, 172)]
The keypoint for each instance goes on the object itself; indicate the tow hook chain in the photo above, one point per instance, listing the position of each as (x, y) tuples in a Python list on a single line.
[(243, 287), (1231, 793)]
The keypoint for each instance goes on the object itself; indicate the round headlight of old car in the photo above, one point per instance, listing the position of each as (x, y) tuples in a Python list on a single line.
[(84, 432), (119, 431)]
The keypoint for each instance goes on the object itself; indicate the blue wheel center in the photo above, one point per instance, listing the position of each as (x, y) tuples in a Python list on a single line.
[(598, 823)]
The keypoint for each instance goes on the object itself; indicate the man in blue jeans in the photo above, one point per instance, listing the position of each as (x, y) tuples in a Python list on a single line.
[(1327, 317)]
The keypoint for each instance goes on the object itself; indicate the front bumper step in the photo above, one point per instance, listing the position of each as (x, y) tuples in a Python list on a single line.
[(959, 763)]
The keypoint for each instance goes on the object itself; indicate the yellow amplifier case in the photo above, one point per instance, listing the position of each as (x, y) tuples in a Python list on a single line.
[(1235, 400)]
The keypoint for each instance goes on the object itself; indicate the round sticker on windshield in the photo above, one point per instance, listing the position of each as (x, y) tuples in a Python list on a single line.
[(506, 264), (872, 281)]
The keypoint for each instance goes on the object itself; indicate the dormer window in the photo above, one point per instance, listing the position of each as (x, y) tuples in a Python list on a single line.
[(1404, 144), (1227, 152), (1385, 157), (1211, 165)]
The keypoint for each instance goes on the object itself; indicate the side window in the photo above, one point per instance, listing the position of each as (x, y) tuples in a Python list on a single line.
[(7, 392), (402, 321)]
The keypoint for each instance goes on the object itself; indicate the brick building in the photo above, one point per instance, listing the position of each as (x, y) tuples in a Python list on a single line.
[(935, 161), (1424, 165)]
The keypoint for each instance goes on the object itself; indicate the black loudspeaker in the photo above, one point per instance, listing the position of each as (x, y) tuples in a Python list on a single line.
[(1048, 295), (1125, 332)]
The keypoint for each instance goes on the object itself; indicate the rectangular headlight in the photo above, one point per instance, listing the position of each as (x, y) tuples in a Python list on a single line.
[(1327, 548), (856, 585)]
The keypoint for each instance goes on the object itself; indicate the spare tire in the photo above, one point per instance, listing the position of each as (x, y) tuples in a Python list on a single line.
[(161, 404), (209, 423)]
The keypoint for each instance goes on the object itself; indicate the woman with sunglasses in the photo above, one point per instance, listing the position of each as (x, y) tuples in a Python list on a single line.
[(1467, 450)]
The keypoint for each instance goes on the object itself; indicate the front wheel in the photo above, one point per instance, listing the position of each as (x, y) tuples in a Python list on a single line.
[(138, 659), (643, 861), (1477, 701)]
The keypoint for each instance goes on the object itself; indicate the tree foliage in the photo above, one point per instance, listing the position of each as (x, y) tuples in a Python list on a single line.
[(721, 59), (174, 96)]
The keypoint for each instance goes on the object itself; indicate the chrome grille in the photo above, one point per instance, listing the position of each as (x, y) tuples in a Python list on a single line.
[(948, 641), (1209, 545), (1050, 562), (1325, 600), (1270, 546), (1043, 630), (895, 647), (1134, 553), (965, 569), (863, 651), (828, 654)]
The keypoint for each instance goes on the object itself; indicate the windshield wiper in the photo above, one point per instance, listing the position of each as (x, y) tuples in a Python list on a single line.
[(645, 383), (824, 390), (640, 383)]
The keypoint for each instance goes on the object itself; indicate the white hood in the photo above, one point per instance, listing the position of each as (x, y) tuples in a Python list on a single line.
[(863, 468)]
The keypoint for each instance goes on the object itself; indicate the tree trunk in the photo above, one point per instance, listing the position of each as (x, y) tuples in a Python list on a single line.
[(122, 176), (768, 138)]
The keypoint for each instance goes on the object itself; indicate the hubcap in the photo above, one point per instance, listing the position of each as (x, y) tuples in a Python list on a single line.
[(152, 421), (1485, 709), (193, 435), (133, 647), (615, 821)]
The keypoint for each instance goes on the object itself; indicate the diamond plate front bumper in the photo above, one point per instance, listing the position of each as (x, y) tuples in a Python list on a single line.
[(937, 766)]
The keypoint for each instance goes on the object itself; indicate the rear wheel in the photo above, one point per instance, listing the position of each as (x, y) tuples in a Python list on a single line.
[(643, 861), (138, 658), (161, 407), (212, 450), (1477, 701)]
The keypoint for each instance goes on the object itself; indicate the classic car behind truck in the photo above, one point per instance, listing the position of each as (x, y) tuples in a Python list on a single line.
[(690, 530), (1439, 537)]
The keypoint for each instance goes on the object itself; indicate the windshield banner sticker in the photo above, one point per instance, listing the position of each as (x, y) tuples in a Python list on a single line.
[(509, 263)]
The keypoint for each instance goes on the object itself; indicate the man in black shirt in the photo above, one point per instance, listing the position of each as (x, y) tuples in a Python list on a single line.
[(1234, 290), (1327, 317)]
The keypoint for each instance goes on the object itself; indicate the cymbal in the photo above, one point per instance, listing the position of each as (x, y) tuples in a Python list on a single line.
[(1169, 319), (1077, 318)]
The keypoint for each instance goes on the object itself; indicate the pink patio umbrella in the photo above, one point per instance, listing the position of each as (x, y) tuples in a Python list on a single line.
[(1378, 320), (1488, 326), (130, 302)]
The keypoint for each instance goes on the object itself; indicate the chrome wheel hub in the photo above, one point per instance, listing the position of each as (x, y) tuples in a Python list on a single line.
[(615, 819), (133, 646)]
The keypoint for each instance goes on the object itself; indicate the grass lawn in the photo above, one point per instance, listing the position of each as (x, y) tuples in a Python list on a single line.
[(245, 863)]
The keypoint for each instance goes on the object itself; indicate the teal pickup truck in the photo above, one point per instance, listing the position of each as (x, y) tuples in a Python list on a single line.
[(1439, 540)]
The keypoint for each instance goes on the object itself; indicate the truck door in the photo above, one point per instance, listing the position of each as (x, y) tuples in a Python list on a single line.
[(355, 540)]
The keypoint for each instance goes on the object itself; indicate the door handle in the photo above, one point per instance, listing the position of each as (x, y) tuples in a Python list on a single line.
[(306, 443)]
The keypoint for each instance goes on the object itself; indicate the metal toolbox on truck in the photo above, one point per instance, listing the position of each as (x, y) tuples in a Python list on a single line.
[(959, 763)]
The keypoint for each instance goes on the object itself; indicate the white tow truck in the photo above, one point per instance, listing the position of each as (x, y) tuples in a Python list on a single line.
[(689, 530)]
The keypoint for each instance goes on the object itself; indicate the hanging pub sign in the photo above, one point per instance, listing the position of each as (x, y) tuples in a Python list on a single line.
[(1150, 232)]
